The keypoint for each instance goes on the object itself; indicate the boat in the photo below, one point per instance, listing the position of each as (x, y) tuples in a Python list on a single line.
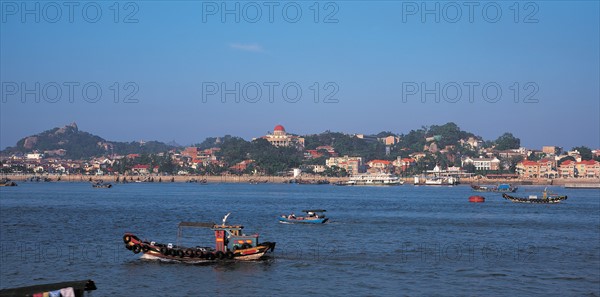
[(257, 181), (313, 216), (374, 179), (477, 199), (231, 244), (6, 182), (547, 198), (69, 288), (101, 184), (436, 180), (501, 188)]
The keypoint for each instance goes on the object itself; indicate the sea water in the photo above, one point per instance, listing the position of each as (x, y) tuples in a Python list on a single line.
[(402, 240)]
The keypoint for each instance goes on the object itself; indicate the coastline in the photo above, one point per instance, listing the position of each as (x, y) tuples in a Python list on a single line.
[(274, 179)]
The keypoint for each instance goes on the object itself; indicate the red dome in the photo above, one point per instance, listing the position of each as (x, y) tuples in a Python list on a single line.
[(279, 128)]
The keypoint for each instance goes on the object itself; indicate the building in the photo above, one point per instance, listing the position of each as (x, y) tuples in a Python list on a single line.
[(280, 138), (141, 169), (587, 169), (390, 140), (528, 169), (352, 165), (380, 166), (567, 169), (241, 166), (482, 164), (404, 164), (551, 150)]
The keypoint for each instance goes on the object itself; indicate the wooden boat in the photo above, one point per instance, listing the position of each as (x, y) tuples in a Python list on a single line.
[(101, 184), (230, 244), (313, 216), (501, 188), (5, 182), (547, 198)]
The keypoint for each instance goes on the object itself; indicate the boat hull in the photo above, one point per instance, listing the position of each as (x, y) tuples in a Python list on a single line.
[(153, 251), (549, 200), (303, 220), (476, 188)]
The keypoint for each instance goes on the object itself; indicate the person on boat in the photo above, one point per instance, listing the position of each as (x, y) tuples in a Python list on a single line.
[(292, 216)]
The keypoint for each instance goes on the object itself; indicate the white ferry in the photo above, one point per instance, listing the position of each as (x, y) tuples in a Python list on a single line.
[(374, 179), (436, 180)]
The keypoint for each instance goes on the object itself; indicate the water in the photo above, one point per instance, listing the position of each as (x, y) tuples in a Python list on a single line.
[(381, 240)]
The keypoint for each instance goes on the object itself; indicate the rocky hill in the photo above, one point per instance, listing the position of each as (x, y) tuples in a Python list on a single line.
[(71, 143)]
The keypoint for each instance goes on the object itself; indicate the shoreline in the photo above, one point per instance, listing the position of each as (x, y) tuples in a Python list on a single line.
[(273, 179)]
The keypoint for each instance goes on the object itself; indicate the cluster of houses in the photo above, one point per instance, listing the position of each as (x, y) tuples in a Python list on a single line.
[(190, 159)]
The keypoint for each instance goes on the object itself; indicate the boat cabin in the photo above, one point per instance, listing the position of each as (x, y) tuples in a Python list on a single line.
[(227, 237)]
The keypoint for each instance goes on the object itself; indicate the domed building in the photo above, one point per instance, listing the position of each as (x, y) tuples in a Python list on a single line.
[(280, 138)]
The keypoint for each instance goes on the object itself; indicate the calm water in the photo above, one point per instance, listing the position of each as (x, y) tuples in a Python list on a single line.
[(381, 241)]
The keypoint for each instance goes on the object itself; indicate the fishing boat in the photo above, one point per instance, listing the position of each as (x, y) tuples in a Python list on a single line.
[(5, 182), (501, 188), (101, 184), (374, 179), (547, 198), (230, 244), (313, 216)]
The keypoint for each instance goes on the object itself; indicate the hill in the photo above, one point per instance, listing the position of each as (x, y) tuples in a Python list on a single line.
[(71, 143)]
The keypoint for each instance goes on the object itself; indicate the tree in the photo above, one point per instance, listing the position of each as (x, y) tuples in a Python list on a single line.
[(507, 141), (584, 151), (565, 159)]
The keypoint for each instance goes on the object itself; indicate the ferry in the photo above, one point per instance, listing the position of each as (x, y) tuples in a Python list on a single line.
[(436, 180), (374, 179), (230, 244)]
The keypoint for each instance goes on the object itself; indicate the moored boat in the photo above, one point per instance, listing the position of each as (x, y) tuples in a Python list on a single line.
[(436, 180), (5, 182), (230, 244), (313, 216), (374, 179), (101, 184), (501, 188), (547, 198)]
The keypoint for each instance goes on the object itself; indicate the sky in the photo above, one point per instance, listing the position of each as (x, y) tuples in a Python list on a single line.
[(186, 70)]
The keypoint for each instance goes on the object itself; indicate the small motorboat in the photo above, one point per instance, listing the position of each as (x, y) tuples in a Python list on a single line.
[(313, 216)]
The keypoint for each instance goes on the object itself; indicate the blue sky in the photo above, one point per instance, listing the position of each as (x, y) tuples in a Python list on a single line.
[(366, 60)]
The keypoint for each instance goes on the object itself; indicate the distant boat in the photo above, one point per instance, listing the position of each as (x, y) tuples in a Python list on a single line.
[(101, 184), (5, 182), (547, 198), (374, 179), (501, 188), (436, 180), (313, 216)]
